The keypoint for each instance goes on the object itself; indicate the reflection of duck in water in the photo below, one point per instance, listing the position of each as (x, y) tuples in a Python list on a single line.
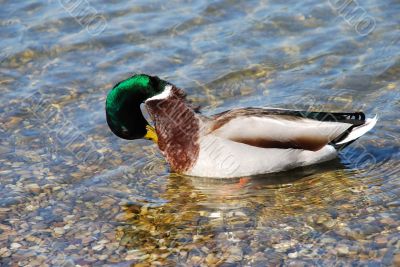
[(234, 143), (206, 216)]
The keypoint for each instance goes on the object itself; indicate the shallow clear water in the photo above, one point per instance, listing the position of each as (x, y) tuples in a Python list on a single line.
[(74, 194)]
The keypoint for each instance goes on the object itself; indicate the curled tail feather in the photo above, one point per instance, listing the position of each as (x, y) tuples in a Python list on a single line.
[(354, 133)]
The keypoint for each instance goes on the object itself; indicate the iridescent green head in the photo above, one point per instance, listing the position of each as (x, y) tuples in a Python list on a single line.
[(124, 116)]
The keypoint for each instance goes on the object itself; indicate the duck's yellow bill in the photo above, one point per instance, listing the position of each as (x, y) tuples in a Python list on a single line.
[(151, 134)]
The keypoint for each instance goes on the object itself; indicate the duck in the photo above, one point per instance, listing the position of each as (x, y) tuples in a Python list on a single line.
[(238, 142)]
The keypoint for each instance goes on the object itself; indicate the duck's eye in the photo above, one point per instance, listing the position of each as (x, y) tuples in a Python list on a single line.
[(124, 130)]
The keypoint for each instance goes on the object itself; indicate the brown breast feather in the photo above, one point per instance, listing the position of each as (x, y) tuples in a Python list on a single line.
[(177, 129)]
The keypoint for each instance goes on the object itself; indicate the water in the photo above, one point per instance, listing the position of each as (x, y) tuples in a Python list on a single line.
[(73, 193)]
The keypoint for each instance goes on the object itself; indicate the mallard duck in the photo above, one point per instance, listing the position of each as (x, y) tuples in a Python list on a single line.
[(235, 143)]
